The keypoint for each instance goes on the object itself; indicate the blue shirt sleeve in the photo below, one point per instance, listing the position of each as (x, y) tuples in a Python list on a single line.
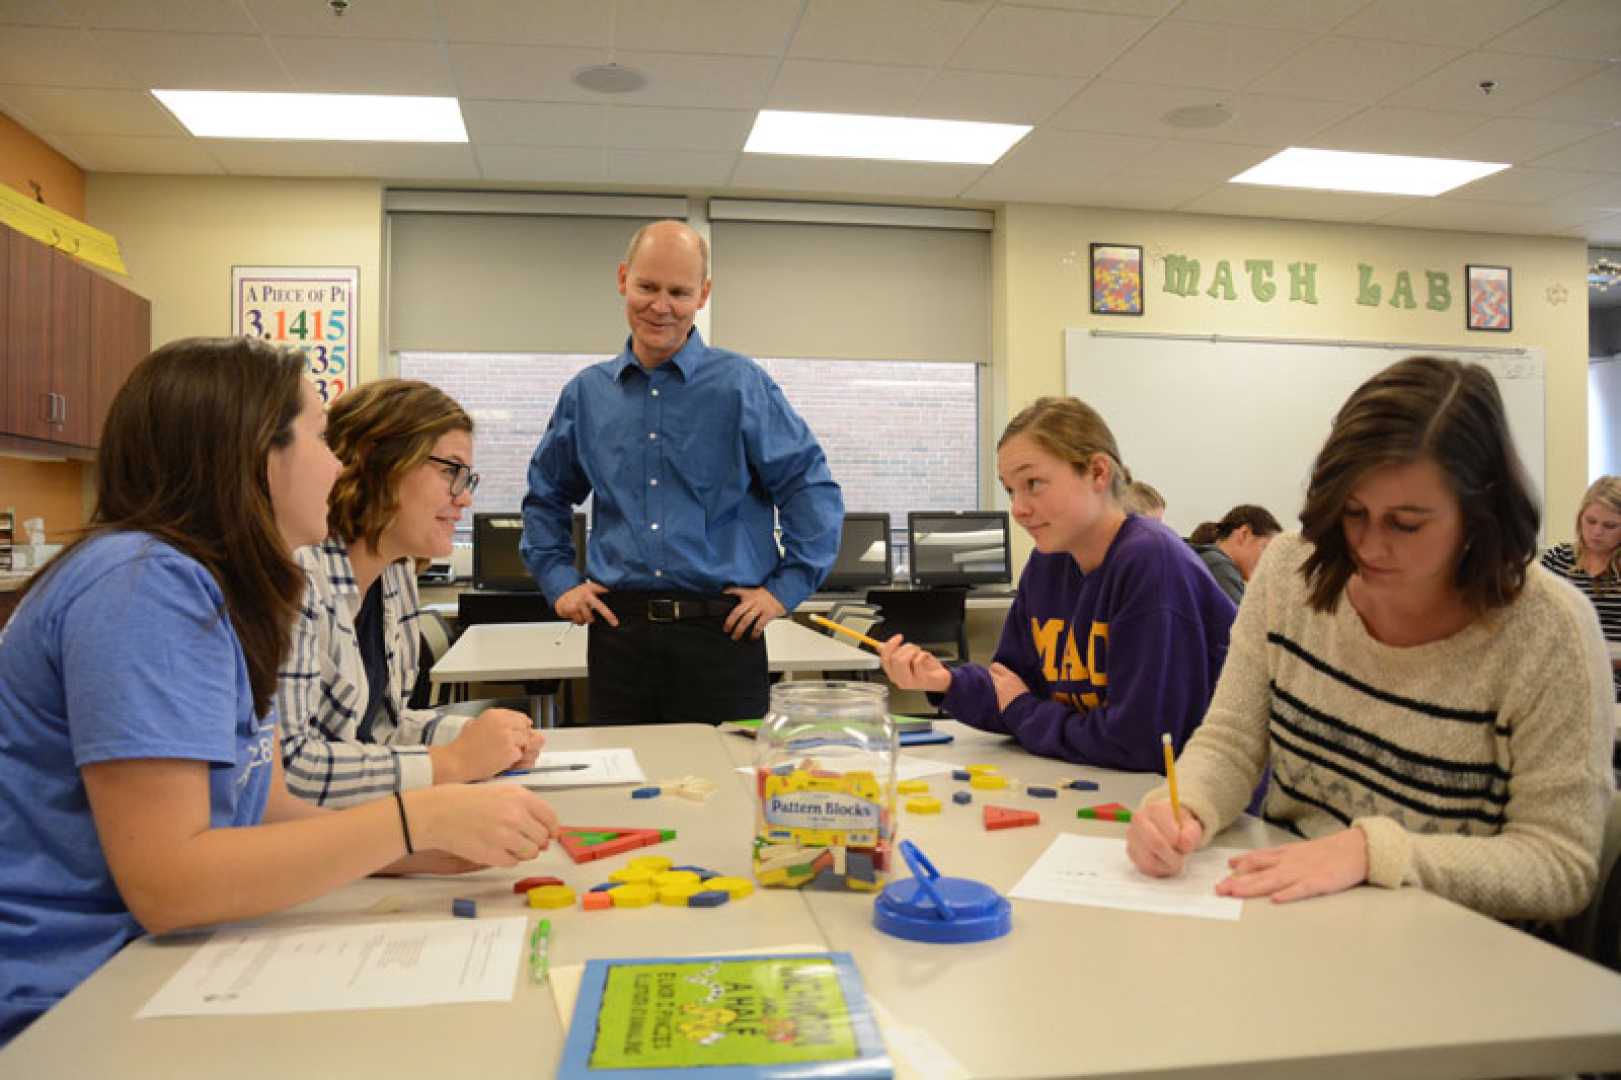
[(151, 665), (785, 455), (557, 484)]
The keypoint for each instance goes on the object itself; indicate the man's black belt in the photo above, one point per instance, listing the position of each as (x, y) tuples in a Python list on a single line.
[(669, 607)]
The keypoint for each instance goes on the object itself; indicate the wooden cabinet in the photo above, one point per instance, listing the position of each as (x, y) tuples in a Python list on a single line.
[(68, 339)]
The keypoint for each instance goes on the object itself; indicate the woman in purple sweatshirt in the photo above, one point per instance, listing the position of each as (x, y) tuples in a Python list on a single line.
[(1118, 632)]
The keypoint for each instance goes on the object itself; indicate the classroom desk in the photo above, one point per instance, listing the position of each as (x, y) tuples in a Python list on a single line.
[(815, 605), (1368, 983), (507, 652)]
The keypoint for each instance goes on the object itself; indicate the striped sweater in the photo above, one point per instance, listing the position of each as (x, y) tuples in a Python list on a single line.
[(1605, 594), (1478, 766)]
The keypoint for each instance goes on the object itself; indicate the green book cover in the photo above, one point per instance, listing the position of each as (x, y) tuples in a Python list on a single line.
[(724, 1017)]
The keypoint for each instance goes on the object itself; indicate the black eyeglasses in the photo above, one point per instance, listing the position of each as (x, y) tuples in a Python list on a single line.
[(462, 477)]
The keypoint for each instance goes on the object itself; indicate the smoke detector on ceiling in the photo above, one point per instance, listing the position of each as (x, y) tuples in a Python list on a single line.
[(1198, 116), (609, 79)]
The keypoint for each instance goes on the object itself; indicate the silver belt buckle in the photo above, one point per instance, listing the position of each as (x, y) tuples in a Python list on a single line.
[(663, 609)]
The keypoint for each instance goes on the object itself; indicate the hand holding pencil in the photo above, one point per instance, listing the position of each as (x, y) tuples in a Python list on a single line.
[(1163, 834), (907, 666)]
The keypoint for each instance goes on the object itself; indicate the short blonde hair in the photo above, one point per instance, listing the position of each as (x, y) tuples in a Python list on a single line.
[(381, 431), (1606, 492), (1070, 430)]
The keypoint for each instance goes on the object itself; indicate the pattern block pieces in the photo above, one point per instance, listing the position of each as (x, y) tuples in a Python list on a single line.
[(587, 843), (988, 782), (1082, 785), (923, 804), (528, 883), (961, 798), (1006, 817), (551, 896), (463, 908), (1036, 791), (1106, 812)]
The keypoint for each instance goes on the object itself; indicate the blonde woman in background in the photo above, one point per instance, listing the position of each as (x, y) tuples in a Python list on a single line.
[(1593, 562), (1143, 498)]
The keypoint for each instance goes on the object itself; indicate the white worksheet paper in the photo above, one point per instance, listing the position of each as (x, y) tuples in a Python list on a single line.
[(617, 765), (383, 965), (907, 767), (1095, 871)]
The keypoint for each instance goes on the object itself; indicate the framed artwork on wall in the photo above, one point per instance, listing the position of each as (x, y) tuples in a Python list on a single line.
[(1117, 279), (1491, 298)]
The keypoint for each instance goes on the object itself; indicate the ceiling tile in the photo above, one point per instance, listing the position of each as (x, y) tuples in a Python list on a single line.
[(37, 13), (534, 123), (534, 73), (1261, 119), (732, 27), (356, 65), (1151, 8), (1048, 157), (1314, 17), (670, 168), (521, 72), (72, 111), (1515, 140), (196, 61), (1603, 230), (1580, 28), (1247, 200), (563, 164), (1037, 41), (1348, 69), (1520, 80), (856, 178), (52, 56), (1203, 162), (1207, 54), (277, 157), (1525, 186), (1485, 217), (1396, 131), (179, 16), (703, 82), (921, 32), (414, 161), (411, 20), (1595, 100), (720, 131), (832, 86), (1459, 23), (993, 97), (128, 153), (534, 22), (1602, 153)]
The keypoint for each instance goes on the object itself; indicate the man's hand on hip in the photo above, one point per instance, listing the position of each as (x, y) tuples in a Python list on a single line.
[(583, 603), (755, 608)]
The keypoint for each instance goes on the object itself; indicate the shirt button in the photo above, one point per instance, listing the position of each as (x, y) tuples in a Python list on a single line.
[(652, 434), (653, 482), (655, 393), (655, 526)]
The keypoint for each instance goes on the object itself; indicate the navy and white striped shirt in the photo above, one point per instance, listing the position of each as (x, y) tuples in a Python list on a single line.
[(1604, 591), (322, 690)]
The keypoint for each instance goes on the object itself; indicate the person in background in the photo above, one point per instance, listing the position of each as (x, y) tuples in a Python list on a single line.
[(1231, 548), (1593, 562), (1116, 633), (347, 734), (1143, 498), (141, 789), (1436, 709), (689, 452)]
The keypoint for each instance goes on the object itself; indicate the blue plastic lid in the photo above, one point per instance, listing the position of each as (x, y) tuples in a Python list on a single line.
[(928, 907)]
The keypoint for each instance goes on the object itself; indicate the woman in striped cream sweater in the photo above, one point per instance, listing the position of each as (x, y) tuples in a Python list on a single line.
[(1435, 708)]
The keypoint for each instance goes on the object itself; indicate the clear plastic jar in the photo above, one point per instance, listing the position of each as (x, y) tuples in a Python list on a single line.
[(825, 787)]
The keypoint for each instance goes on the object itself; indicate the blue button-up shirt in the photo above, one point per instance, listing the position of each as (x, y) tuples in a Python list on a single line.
[(686, 462)]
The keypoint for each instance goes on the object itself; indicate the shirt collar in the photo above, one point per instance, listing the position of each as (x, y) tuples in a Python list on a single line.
[(686, 360)]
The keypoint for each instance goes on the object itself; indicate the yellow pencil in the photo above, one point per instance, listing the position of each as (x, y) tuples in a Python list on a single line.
[(1170, 775), (831, 625)]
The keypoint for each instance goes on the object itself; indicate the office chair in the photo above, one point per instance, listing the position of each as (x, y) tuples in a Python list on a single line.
[(927, 617), (436, 639), (545, 704)]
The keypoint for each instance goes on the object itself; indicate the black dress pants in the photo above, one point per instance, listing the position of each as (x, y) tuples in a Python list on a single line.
[(673, 672)]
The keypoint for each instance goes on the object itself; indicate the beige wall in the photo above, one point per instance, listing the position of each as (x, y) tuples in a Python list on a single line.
[(182, 234), (1042, 282)]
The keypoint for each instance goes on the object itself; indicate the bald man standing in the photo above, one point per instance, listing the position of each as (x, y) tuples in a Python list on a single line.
[(688, 450)]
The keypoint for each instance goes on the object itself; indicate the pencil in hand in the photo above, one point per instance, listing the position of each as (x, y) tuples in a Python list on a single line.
[(1170, 776), (841, 628)]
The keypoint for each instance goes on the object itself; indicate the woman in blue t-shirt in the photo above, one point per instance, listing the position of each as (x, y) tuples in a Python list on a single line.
[(140, 784)]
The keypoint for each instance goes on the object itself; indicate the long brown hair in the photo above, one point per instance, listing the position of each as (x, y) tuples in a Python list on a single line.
[(184, 456), (1070, 430), (1417, 409), (1258, 518), (380, 432)]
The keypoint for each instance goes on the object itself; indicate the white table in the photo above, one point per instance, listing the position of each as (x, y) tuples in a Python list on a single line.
[(507, 652), (1371, 982)]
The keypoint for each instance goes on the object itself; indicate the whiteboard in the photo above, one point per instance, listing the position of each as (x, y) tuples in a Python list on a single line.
[(1213, 422)]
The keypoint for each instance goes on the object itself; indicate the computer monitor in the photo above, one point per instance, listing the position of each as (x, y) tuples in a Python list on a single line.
[(959, 547), (866, 558), (496, 562)]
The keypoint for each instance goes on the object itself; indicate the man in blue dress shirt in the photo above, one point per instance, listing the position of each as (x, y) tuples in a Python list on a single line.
[(688, 450)]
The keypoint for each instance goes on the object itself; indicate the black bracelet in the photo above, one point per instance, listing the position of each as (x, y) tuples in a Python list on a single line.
[(405, 826)]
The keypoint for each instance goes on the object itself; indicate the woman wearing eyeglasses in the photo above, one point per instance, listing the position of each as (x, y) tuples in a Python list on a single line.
[(346, 733)]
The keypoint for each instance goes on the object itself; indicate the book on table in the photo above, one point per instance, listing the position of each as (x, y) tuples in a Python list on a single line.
[(724, 1018)]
